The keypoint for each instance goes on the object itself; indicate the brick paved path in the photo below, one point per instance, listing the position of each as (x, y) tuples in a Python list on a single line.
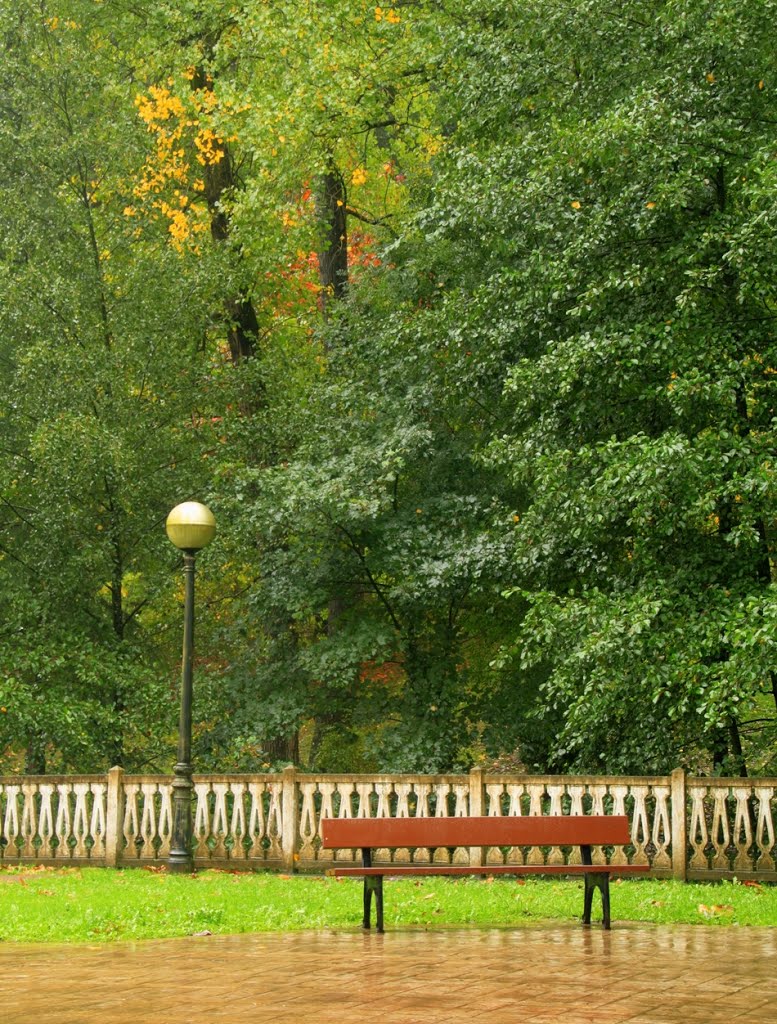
[(547, 975)]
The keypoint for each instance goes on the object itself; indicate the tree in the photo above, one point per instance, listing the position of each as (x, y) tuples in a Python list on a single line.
[(332, 124), (96, 425), (620, 166)]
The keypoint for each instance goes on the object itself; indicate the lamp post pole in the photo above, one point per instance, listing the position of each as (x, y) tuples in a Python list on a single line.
[(190, 527)]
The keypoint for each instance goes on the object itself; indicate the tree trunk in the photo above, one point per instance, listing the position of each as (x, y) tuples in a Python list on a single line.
[(736, 748), (35, 754), (220, 181), (330, 209), (283, 749), (333, 238)]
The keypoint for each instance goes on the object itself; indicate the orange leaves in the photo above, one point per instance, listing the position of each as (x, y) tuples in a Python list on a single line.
[(717, 910), (157, 109), (165, 184), (387, 673), (359, 176), (179, 226), (158, 105), (391, 16), (208, 143)]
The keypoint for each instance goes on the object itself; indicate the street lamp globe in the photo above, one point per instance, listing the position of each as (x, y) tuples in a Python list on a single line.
[(191, 526)]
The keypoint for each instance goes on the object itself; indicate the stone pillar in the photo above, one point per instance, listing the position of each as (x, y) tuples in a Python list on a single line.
[(289, 818), (114, 818), (477, 854), (679, 825)]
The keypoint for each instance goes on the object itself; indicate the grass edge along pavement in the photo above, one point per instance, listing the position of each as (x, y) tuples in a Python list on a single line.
[(41, 904)]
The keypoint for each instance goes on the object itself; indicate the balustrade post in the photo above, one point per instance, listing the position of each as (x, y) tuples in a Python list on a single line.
[(289, 818), (477, 854), (679, 825), (114, 817)]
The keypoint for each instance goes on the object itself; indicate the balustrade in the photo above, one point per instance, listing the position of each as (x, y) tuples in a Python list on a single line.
[(724, 827)]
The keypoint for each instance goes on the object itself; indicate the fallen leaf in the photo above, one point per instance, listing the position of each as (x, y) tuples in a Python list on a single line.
[(657, 903), (716, 910), (752, 884)]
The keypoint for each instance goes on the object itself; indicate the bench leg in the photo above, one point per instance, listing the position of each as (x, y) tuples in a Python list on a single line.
[(379, 904), (602, 883), (373, 884), (368, 890), (588, 899), (606, 903)]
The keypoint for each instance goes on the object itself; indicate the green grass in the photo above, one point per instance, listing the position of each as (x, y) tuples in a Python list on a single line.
[(98, 905)]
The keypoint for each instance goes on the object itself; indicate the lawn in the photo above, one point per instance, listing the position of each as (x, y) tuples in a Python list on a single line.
[(99, 905)]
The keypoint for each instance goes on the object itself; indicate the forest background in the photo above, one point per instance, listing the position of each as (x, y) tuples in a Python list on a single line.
[(461, 318)]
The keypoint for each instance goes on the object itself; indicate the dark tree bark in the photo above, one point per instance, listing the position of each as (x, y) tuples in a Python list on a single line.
[(220, 181), (35, 754), (284, 748), (333, 234)]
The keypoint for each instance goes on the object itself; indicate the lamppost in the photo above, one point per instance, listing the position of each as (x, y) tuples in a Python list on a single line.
[(190, 526)]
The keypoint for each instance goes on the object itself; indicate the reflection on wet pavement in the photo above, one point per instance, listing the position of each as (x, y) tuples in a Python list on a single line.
[(569, 974)]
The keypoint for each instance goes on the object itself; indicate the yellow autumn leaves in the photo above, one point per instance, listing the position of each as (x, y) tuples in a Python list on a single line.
[(55, 23), (176, 126), (391, 16)]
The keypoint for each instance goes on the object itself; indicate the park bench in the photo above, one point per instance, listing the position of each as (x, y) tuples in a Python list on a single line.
[(585, 831)]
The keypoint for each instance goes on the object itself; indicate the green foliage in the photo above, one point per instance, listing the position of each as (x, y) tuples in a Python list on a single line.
[(96, 421), (512, 493), (611, 215)]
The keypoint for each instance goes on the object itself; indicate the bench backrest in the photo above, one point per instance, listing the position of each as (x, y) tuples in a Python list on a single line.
[(566, 830)]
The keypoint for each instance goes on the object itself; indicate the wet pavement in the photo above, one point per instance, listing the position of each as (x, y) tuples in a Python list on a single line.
[(537, 975)]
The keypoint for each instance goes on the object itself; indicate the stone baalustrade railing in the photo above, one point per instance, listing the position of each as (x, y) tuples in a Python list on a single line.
[(682, 827)]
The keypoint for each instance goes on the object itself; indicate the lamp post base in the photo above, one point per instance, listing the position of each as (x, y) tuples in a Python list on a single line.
[(181, 858)]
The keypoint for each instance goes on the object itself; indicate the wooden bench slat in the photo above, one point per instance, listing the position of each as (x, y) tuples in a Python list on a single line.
[(536, 830), (389, 871)]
